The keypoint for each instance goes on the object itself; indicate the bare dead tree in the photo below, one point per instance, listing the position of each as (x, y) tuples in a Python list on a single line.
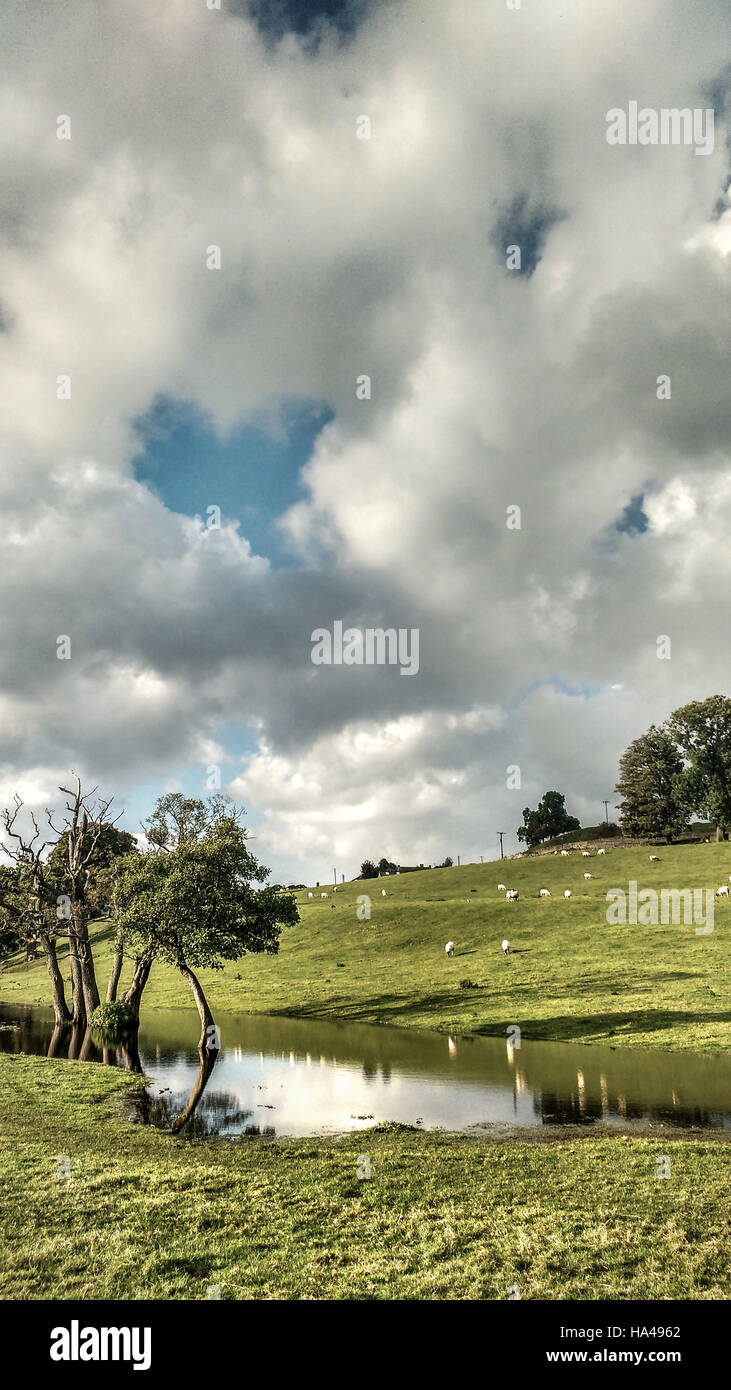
[(84, 823), (33, 905)]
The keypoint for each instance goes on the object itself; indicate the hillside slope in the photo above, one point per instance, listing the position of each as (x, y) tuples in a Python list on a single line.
[(569, 975)]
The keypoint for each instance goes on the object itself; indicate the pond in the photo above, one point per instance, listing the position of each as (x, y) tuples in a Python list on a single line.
[(292, 1076)]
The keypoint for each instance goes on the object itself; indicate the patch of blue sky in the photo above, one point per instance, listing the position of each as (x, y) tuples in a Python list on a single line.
[(307, 18), (192, 779), (253, 474), (633, 518)]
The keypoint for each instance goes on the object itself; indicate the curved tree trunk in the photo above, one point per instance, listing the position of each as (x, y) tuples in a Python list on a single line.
[(116, 969), (209, 1033), (61, 1011), (133, 995)]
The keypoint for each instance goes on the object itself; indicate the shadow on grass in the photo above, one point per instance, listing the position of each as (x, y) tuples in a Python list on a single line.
[(558, 1028)]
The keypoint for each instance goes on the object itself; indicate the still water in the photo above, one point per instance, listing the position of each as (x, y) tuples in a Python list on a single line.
[(290, 1076)]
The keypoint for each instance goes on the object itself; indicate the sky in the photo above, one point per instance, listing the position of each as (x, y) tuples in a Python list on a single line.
[(193, 479)]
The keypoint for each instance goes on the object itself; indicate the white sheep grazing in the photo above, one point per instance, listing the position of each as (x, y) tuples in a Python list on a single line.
[(722, 892), (587, 875), (585, 854), (323, 895), (564, 854), (466, 900), (601, 851), (506, 946), (654, 858), (567, 892), (310, 895), (383, 892), (449, 948), (512, 895), (502, 889), (544, 893)]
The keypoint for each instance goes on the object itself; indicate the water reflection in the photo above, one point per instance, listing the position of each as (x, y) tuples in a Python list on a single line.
[(296, 1076)]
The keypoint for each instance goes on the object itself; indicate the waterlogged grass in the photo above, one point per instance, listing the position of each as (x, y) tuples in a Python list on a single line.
[(443, 1216), (569, 974)]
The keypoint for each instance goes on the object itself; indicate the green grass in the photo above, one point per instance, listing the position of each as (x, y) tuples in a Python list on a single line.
[(443, 1216), (570, 975)]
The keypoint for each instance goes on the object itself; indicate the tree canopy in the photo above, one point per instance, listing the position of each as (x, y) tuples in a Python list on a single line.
[(191, 900), (678, 770), (548, 820), (651, 783)]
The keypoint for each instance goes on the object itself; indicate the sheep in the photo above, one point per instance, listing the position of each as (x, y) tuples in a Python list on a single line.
[(722, 892), (567, 892), (383, 892), (600, 851), (506, 946), (564, 854), (544, 893), (449, 948), (310, 895), (587, 875), (323, 895), (466, 900), (502, 889), (511, 896), (654, 858), (585, 854)]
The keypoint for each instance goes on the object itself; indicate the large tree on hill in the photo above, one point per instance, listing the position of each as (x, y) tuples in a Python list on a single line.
[(702, 732), (191, 900), (652, 786), (548, 820)]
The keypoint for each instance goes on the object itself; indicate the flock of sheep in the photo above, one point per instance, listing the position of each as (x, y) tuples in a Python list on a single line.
[(512, 895)]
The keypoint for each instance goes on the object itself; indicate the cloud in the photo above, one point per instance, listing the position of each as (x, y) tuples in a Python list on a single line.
[(490, 389)]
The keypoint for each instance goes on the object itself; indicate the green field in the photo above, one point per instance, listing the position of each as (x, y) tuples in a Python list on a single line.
[(569, 974), (442, 1217)]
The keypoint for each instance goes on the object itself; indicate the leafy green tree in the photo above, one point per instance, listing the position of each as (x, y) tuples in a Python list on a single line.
[(190, 900), (386, 867), (653, 786), (368, 869), (548, 820), (702, 732)]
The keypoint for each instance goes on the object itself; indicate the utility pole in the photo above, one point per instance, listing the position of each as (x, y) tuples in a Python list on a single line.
[(501, 833), (335, 877), (606, 812)]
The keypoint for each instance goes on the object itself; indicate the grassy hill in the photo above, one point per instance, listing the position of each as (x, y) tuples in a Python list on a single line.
[(569, 974)]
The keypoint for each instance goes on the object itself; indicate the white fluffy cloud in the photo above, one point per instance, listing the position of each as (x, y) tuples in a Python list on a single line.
[(490, 389)]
